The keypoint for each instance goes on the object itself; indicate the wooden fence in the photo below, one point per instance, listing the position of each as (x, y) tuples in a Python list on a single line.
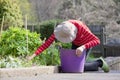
[(104, 49), (99, 31)]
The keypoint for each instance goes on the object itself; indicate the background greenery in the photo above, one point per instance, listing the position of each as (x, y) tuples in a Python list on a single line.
[(45, 28), (11, 14)]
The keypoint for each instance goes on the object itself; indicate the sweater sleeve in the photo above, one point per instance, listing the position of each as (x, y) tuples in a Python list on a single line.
[(45, 45), (92, 40)]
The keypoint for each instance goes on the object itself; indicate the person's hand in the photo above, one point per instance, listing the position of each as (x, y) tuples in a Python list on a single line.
[(79, 50), (30, 57)]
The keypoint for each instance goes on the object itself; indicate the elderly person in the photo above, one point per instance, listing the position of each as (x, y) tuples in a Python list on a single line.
[(77, 33)]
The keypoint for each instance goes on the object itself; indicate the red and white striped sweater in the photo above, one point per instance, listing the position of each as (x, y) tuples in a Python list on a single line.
[(84, 37)]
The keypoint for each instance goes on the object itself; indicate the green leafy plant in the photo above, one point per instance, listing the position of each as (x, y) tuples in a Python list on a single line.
[(13, 49), (14, 42), (14, 62), (50, 56)]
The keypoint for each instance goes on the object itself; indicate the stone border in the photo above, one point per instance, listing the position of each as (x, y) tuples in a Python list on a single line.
[(29, 71), (113, 62)]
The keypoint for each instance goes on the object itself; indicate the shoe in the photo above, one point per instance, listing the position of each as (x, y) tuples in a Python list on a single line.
[(105, 66)]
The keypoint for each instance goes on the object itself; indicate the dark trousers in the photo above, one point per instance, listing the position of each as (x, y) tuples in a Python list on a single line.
[(89, 66)]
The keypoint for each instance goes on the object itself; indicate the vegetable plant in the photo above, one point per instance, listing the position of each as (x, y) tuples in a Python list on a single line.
[(14, 42), (15, 46)]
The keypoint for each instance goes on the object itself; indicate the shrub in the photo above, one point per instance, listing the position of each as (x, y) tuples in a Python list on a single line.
[(11, 12), (14, 42), (46, 28), (13, 49), (49, 57), (13, 62)]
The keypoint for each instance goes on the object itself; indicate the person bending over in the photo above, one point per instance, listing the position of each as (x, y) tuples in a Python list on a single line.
[(81, 38)]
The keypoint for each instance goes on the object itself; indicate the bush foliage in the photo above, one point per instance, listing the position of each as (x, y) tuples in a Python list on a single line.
[(14, 42), (46, 28), (13, 49), (10, 10)]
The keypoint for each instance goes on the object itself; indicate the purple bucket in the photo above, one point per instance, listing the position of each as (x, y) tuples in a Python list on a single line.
[(70, 63)]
